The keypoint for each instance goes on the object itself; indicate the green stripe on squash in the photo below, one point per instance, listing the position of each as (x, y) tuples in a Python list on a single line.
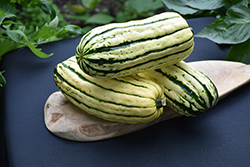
[(130, 99), (120, 49), (188, 91)]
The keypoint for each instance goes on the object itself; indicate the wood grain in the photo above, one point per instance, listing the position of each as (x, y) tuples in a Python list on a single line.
[(67, 121)]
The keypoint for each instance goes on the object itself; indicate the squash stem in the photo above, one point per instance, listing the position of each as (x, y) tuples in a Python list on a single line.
[(160, 102)]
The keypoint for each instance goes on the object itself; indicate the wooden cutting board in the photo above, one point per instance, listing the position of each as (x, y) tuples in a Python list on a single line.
[(67, 121)]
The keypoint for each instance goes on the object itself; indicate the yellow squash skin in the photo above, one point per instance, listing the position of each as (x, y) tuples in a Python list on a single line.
[(120, 49), (188, 91), (131, 99)]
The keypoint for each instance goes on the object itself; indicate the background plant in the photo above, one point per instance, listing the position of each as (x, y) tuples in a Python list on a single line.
[(20, 29), (231, 27), (92, 13)]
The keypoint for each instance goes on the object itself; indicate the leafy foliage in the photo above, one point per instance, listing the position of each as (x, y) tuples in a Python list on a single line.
[(91, 4), (135, 9), (128, 10), (231, 27), (185, 7), (16, 32), (143, 7), (100, 19)]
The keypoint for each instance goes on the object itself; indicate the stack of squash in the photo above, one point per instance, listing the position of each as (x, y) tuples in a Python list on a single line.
[(127, 72)]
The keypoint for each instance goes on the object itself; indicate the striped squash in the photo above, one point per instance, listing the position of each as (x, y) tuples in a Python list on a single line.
[(188, 91), (120, 49), (131, 99)]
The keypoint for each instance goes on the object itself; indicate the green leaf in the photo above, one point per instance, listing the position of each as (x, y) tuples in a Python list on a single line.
[(204, 4), (185, 7), (142, 6), (78, 9), (91, 4), (100, 19), (240, 52), (37, 51), (82, 17), (2, 31), (48, 30), (2, 79), (234, 2), (232, 29), (124, 16), (179, 6), (70, 28), (48, 8), (23, 2), (7, 10), (16, 35), (10, 22), (7, 45)]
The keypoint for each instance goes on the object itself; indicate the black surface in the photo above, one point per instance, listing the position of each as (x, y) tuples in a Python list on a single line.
[(3, 152), (221, 137)]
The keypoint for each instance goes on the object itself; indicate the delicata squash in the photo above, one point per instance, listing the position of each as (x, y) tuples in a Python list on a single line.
[(188, 91), (120, 49), (130, 99)]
